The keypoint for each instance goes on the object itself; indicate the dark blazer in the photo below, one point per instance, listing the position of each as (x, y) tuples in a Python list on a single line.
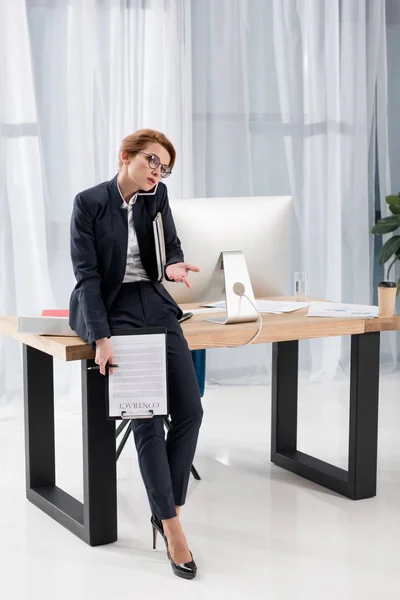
[(99, 238)]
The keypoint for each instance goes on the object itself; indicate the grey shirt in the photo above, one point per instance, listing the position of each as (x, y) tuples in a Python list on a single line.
[(134, 269)]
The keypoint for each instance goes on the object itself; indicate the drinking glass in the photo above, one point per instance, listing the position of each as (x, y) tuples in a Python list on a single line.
[(301, 286)]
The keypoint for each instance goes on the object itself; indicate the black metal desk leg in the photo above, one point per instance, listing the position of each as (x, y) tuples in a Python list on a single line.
[(40, 466), (359, 481), (285, 358), (94, 521), (99, 466), (364, 396)]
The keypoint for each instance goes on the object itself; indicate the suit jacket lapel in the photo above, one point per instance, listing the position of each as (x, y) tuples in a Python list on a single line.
[(143, 227), (119, 223)]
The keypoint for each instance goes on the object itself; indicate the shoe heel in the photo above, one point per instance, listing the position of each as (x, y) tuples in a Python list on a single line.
[(154, 538)]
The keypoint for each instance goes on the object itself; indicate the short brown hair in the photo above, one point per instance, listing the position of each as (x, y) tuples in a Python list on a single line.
[(139, 140)]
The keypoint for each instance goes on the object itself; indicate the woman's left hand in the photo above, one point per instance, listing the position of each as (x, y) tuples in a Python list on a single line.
[(179, 272)]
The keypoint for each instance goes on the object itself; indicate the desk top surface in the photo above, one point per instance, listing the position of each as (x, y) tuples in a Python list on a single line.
[(202, 334)]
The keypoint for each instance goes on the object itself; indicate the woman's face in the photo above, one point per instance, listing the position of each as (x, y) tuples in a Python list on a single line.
[(138, 169)]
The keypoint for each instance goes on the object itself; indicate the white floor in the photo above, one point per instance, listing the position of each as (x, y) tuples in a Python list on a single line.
[(256, 531)]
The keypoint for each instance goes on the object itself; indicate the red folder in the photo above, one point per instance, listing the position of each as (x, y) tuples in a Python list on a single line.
[(55, 313)]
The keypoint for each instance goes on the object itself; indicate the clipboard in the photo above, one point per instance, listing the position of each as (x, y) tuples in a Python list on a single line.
[(159, 241), (148, 373)]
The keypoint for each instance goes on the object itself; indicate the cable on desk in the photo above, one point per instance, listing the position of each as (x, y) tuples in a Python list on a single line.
[(239, 290)]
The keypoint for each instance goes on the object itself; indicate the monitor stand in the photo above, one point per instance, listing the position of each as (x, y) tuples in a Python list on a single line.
[(237, 281)]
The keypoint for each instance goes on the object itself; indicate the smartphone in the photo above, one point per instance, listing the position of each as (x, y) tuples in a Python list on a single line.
[(185, 317)]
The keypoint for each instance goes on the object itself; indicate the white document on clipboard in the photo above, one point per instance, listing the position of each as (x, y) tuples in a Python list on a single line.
[(138, 388)]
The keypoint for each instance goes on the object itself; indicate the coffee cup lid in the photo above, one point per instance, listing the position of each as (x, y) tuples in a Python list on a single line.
[(387, 284)]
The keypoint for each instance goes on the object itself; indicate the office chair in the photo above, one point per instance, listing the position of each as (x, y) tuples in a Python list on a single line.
[(126, 425)]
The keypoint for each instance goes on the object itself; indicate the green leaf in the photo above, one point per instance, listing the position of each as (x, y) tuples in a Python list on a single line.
[(389, 248), (398, 287), (392, 199), (394, 209), (386, 225)]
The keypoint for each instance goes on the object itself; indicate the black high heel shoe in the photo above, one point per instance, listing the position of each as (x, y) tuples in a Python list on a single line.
[(185, 570)]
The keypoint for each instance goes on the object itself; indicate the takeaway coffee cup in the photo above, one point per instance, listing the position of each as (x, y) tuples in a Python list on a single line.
[(386, 298)]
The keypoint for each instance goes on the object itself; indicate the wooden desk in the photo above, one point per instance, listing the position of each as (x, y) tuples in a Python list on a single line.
[(202, 334), (95, 521)]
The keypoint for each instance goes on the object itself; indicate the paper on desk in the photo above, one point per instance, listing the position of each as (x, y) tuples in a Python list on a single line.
[(40, 325), (274, 306), (205, 311), (269, 306), (342, 311), (138, 387)]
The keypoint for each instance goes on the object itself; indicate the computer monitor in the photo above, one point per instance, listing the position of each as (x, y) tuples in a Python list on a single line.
[(258, 226)]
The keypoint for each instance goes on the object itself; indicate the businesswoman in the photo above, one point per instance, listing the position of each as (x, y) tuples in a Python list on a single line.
[(114, 260)]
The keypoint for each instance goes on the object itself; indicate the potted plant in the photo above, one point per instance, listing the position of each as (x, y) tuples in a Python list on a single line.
[(391, 248)]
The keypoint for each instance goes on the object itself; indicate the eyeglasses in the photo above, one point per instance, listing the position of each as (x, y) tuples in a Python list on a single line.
[(155, 162)]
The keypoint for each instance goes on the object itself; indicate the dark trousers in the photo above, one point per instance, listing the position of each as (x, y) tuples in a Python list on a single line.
[(164, 461)]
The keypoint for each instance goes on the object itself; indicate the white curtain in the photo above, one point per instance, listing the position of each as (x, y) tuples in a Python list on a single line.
[(76, 77), (297, 115), (388, 111), (99, 75), (25, 281), (259, 97)]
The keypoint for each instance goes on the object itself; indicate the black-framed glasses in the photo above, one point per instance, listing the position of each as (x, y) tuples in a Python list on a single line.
[(155, 162)]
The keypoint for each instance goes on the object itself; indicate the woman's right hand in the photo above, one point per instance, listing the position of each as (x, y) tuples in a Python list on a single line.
[(104, 355)]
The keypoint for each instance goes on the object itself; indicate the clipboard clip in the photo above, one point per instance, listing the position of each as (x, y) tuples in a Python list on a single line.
[(139, 414)]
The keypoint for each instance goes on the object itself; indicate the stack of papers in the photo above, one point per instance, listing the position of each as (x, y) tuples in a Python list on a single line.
[(205, 311), (315, 309), (40, 325), (342, 311), (267, 306), (277, 308)]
